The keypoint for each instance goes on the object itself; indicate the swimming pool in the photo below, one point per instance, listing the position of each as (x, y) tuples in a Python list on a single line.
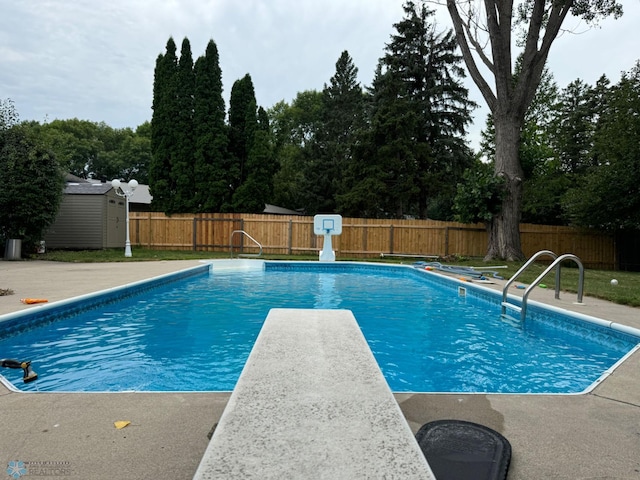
[(194, 332)]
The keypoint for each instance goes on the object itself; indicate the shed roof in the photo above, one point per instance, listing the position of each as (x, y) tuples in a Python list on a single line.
[(95, 187), (87, 188)]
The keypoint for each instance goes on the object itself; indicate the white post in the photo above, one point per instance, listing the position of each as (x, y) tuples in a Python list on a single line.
[(127, 192), (127, 243), (327, 254)]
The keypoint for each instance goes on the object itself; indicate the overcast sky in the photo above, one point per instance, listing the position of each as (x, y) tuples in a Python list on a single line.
[(94, 60)]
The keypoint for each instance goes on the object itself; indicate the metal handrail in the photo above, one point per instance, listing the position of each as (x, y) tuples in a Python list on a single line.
[(522, 269), (259, 254), (557, 261)]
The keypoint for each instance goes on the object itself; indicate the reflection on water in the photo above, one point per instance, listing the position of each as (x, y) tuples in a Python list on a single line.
[(326, 296)]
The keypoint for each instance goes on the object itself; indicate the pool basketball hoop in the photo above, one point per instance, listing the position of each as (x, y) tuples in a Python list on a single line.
[(327, 226)]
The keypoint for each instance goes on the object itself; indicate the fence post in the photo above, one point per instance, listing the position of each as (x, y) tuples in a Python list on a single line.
[(149, 230), (195, 234), (290, 236), (391, 238), (365, 237), (446, 241)]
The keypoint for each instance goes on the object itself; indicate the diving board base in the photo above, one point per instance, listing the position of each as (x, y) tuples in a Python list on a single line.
[(312, 403)]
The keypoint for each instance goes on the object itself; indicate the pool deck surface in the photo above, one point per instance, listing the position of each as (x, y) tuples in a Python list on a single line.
[(587, 436)]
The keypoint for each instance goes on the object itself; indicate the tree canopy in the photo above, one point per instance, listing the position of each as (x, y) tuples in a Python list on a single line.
[(606, 196), (31, 183), (198, 162), (163, 136), (410, 157), (484, 32), (211, 167), (95, 150)]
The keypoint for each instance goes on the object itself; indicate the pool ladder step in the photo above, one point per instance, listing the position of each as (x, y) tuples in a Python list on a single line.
[(516, 308)]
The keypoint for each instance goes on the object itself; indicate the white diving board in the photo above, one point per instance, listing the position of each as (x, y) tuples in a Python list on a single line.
[(312, 403)]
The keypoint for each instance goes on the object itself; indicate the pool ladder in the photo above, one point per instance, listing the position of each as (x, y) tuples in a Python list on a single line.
[(245, 255), (557, 260)]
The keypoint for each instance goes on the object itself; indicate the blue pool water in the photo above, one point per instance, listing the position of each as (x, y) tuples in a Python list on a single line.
[(195, 334)]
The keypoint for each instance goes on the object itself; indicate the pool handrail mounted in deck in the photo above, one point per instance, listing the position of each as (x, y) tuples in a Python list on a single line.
[(245, 255), (557, 261)]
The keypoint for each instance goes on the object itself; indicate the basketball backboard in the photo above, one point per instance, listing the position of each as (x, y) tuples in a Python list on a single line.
[(327, 224)]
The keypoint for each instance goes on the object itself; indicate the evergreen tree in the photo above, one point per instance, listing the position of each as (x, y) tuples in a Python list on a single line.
[(392, 146), (574, 123), (331, 151), (182, 159), (606, 195), (212, 179), (262, 159), (544, 181), (242, 126), (256, 190), (419, 113), (163, 136), (8, 114)]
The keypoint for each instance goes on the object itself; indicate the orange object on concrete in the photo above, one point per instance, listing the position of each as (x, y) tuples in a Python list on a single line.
[(30, 301)]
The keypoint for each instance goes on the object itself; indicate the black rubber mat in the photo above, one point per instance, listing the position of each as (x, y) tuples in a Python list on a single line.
[(459, 450)]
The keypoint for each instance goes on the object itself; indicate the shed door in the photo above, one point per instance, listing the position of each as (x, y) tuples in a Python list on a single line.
[(116, 217)]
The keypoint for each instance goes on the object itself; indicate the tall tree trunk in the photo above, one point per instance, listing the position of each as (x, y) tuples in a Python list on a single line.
[(504, 228)]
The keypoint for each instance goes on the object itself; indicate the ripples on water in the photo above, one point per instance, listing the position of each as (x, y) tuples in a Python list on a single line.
[(195, 335)]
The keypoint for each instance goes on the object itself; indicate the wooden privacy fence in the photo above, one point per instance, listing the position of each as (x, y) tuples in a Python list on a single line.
[(360, 238)]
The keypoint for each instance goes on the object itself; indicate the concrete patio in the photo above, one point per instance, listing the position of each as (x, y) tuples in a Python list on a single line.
[(589, 436)]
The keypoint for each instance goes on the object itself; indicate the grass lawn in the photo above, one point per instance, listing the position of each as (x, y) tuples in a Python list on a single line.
[(597, 283)]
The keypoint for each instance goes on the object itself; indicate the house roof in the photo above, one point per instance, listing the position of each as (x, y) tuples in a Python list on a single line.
[(275, 210), (141, 195)]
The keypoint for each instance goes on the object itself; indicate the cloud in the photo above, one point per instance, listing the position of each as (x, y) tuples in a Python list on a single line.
[(95, 60)]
